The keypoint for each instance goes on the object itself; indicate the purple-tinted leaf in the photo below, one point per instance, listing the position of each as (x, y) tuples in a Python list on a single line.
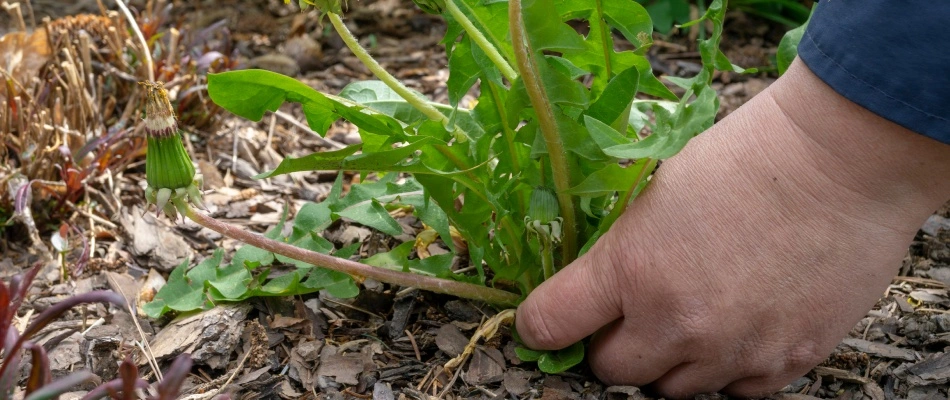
[(22, 198), (61, 385), (113, 387), (4, 315), (39, 373), (170, 386), (10, 299), (8, 375), (129, 374), (100, 296), (84, 256)]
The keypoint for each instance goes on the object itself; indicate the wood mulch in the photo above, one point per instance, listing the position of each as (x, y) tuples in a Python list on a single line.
[(388, 343)]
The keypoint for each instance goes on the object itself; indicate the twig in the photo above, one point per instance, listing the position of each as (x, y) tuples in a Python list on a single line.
[(146, 54), (415, 347), (145, 348)]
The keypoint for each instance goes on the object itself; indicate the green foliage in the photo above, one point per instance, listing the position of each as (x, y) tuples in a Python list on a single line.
[(788, 47), (561, 131), (668, 13), (553, 362)]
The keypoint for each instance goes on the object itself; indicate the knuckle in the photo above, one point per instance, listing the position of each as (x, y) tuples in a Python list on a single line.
[(803, 356)]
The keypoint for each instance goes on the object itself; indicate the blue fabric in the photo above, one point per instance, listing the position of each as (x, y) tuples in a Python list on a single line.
[(891, 57)]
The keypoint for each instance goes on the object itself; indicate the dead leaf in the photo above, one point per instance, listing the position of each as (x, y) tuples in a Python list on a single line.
[(487, 366), (450, 340), (22, 55)]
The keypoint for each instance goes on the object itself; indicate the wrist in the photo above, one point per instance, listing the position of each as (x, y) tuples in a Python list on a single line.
[(874, 159)]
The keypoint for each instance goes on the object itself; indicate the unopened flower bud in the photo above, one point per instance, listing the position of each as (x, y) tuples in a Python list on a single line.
[(543, 206), (168, 168)]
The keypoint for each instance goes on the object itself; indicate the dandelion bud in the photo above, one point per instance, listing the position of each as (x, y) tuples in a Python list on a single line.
[(168, 168), (543, 206)]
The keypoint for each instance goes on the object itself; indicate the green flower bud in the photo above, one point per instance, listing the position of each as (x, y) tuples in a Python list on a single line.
[(168, 168), (431, 6), (543, 206), (167, 164)]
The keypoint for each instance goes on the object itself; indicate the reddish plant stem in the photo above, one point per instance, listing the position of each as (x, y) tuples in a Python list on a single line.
[(358, 270)]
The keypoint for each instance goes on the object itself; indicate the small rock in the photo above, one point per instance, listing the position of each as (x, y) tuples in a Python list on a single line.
[(278, 63), (935, 224), (382, 391), (212, 177), (309, 351), (305, 51), (943, 322)]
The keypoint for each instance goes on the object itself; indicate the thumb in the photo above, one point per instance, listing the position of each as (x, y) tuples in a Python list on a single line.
[(573, 304)]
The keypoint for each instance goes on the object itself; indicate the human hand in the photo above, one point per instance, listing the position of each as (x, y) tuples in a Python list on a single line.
[(753, 252)]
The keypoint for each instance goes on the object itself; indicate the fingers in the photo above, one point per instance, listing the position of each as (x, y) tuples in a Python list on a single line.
[(624, 353), (688, 379), (573, 304)]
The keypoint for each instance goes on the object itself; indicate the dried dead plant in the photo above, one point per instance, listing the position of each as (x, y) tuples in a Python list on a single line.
[(68, 109)]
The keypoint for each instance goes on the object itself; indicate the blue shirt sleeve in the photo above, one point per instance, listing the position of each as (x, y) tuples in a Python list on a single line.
[(891, 57)]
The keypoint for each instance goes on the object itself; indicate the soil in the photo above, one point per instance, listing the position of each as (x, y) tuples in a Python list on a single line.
[(388, 342)]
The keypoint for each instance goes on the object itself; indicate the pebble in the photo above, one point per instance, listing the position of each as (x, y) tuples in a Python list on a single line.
[(935, 224)]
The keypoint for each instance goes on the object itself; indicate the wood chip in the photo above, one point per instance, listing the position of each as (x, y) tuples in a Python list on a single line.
[(880, 349)]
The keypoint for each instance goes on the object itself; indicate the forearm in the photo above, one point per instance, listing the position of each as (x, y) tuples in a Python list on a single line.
[(877, 160)]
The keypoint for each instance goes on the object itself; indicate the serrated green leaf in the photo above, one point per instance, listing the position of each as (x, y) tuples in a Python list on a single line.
[(528, 355), (439, 266), (401, 159), (606, 181), (397, 258), (312, 242), (252, 257), (177, 294), (207, 269), (232, 282), (602, 134), (372, 214), (284, 285), (251, 93), (338, 284), (616, 97), (348, 251), (313, 217), (788, 47), (545, 30), (557, 361), (464, 71)]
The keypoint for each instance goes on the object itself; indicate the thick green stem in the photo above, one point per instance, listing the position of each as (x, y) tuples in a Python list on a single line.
[(415, 100), (355, 269), (527, 65), (482, 42), (547, 257), (627, 197)]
